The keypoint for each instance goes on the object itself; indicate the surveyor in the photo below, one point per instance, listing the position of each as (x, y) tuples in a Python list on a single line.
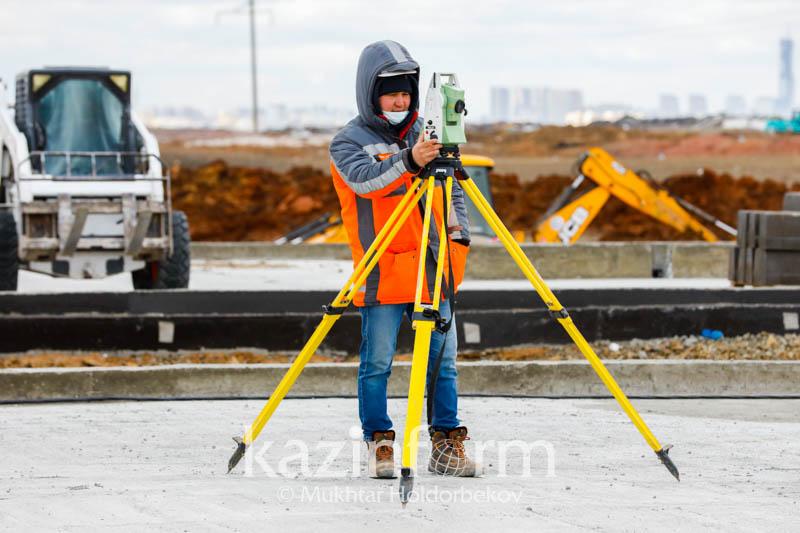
[(374, 159)]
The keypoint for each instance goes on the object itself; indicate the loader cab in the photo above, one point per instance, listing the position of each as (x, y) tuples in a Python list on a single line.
[(479, 169), (77, 121)]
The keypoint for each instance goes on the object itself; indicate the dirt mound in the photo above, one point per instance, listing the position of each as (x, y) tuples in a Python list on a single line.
[(227, 203), (250, 204)]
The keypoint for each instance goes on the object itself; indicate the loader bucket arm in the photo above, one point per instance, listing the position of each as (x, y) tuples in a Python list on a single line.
[(610, 176)]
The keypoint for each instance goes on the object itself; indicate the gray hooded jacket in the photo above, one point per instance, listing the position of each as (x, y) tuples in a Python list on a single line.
[(354, 150), (371, 165)]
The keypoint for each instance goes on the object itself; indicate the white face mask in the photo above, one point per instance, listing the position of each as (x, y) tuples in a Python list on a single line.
[(395, 117)]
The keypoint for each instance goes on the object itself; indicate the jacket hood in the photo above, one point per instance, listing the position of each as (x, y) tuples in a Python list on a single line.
[(381, 57)]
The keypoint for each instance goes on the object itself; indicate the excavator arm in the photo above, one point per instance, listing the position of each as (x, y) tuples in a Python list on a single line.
[(567, 218)]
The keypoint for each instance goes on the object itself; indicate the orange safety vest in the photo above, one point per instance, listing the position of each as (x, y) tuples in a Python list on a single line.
[(394, 280)]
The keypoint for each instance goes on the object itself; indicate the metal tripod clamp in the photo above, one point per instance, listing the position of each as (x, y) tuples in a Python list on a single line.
[(428, 314), (448, 163), (331, 309)]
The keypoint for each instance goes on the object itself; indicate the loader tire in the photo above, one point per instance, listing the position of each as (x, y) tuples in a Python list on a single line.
[(9, 260), (171, 272)]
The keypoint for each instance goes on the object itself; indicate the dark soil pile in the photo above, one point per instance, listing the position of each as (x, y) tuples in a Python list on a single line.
[(250, 204), (522, 204)]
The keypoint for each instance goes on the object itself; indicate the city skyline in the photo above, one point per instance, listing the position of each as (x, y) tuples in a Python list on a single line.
[(542, 105), (195, 53)]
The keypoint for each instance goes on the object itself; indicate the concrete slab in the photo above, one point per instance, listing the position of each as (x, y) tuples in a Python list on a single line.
[(489, 260), (161, 466), (321, 274)]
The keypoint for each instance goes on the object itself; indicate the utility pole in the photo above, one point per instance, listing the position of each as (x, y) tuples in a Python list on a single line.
[(253, 68), (250, 5)]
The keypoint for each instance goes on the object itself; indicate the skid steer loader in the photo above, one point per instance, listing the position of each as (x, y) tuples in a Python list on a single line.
[(83, 191)]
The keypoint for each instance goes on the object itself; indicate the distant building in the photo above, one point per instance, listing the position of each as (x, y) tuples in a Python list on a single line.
[(786, 81), (534, 104), (541, 104), (668, 106), (176, 118), (698, 106), (560, 103), (500, 104), (735, 105), (522, 104), (271, 117), (764, 106), (599, 113)]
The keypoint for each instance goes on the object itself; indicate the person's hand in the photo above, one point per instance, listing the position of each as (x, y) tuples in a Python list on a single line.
[(425, 151)]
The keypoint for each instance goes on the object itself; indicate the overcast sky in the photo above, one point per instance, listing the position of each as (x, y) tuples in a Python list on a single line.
[(183, 52)]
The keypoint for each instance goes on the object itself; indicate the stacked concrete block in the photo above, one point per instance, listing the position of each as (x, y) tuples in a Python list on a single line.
[(791, 201), (767, 248)]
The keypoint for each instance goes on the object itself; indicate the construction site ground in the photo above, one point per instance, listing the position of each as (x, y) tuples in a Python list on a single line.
[(329, 275), (557, 465), (552, 464)]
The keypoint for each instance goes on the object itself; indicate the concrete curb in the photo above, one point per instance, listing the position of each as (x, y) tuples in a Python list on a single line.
[(491, 261), (667, 378)]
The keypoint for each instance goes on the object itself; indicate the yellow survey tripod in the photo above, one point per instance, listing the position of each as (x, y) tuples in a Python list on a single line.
[(426, 318), (445, 169)]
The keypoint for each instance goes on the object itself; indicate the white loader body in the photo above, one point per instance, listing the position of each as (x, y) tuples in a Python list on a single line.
[(83, 213)]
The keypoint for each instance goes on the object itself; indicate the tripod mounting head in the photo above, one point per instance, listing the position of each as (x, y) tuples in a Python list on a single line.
[(447, 164)]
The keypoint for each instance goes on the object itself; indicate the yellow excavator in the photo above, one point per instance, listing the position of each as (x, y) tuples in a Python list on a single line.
[(570, 213)]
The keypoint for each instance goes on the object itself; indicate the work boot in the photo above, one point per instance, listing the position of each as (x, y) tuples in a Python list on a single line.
[(448, 456), (381, 455)]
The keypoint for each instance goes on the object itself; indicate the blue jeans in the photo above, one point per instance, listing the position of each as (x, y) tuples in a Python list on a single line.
[(379, 327)]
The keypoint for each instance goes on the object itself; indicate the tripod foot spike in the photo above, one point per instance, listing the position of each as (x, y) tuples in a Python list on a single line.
[(406, 485), (663, 455), (238, 454)]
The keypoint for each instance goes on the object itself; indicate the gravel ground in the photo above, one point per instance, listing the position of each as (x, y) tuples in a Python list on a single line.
[(763, 346)]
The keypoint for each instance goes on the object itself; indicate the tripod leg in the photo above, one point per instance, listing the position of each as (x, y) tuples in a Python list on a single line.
[(416, 395), (563, 318), (423, 326), (381, 242), (332, 314), (437, 288)]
